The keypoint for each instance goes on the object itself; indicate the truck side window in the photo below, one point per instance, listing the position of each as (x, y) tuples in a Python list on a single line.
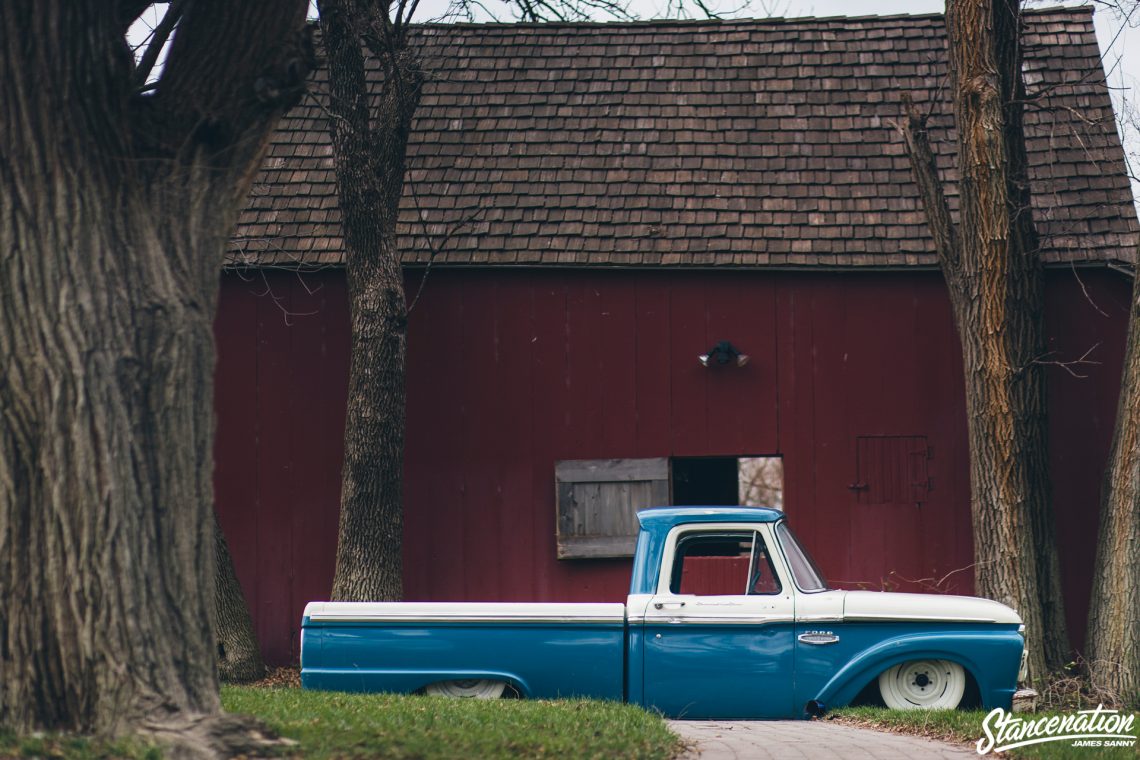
[(722, 564)]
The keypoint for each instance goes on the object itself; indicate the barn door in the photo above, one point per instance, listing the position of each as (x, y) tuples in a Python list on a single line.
[(891, 469), (598, 501)]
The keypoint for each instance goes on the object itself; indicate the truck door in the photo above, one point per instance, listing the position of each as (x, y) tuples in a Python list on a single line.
[(719, 632)]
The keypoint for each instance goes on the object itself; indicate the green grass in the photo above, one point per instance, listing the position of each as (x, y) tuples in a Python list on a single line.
[(332, 725), (966, 727), (75, 748), (343, 726)]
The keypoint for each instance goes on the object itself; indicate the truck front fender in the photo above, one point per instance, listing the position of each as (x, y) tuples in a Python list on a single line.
[(991, 659)]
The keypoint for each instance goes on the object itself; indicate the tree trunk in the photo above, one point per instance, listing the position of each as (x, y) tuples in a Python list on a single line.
[(115, 212), (239, 656), (108, 565), (1114, 614), (369, 149), (994, 278)]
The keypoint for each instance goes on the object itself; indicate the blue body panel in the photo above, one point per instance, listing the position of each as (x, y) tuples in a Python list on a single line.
[(635, 665), (541, 660), (719, 671)]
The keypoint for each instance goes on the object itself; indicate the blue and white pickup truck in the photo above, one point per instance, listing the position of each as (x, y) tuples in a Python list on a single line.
[(727, 617)]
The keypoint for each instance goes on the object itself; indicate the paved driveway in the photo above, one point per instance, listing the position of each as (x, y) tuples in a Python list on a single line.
[(806, 739)]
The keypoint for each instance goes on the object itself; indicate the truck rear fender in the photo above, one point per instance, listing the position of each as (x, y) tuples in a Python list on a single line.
[(512, 680)]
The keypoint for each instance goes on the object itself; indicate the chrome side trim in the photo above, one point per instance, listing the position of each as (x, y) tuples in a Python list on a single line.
[(745, 619), (918, 618), (719, 620)]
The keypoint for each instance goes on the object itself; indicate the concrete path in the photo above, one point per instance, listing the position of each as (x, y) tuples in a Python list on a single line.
[(804, 740)]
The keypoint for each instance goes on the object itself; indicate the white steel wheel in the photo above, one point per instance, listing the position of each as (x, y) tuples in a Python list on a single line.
[(923, 685), (477, 688)]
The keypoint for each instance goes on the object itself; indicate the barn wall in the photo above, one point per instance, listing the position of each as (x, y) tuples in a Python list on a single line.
[(280, 390), (512, 370), (1088, 313)]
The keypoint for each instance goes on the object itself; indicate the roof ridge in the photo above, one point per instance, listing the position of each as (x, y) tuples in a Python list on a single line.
[(1072, 10)]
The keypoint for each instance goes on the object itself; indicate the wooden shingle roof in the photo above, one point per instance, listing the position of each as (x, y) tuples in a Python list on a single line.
[(738, 143)]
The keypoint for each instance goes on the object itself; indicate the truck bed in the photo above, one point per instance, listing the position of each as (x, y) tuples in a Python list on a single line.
[(542, 650)]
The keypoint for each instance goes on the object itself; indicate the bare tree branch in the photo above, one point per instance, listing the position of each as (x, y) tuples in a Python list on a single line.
[(1085, 290), (128, 11), (914, 132), (158, 40), (1082, 361)]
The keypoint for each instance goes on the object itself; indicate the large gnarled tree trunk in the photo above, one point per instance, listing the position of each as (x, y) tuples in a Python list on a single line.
[(369, 148), (114, 213), (1114, 614), (993, 273)]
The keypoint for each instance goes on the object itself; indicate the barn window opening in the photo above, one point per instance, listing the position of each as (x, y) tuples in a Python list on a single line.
[(704, 481), (761, 481), (728, 481)]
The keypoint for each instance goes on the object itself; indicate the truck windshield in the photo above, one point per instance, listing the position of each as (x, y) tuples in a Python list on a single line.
[(804, 570)]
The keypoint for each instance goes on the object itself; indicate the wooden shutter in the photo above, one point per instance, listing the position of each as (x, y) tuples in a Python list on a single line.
[(598, 501)]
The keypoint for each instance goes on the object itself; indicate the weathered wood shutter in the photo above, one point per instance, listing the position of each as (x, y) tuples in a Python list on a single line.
[(598, 500)]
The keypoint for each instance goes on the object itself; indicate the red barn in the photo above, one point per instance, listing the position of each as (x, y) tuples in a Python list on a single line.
[(590, 209)]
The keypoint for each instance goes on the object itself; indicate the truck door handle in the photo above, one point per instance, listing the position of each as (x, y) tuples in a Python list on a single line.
[(668, 605)]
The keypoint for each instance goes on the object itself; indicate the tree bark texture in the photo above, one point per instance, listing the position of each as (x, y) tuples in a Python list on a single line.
[(995, 282), (114, 213), (239, 655), (1114, 613), (369, 146)]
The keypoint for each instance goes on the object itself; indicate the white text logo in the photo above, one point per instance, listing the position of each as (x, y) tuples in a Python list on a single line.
[(1087, 728)]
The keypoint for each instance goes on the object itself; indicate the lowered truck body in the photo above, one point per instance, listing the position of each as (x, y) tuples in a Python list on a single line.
[(727, 617)]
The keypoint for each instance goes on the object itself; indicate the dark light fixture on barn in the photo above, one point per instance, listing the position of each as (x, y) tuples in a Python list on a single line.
[(722, 353)]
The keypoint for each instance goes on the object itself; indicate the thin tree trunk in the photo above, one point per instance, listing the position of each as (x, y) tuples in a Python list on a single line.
[(114, 214), (239, 656), (994, 278), (1114, 614), (369, 149)]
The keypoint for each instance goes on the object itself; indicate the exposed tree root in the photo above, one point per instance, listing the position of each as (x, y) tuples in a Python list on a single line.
[(216, 736)]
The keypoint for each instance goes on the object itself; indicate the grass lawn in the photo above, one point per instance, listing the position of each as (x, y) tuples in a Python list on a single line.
[(342, 726), (74, 748), (332, 725), (966, 728)]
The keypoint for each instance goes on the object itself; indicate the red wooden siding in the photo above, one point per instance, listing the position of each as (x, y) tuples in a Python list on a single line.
[(510, 371), (708, 576), (280, 396), (873, 356), (1082, 413)]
